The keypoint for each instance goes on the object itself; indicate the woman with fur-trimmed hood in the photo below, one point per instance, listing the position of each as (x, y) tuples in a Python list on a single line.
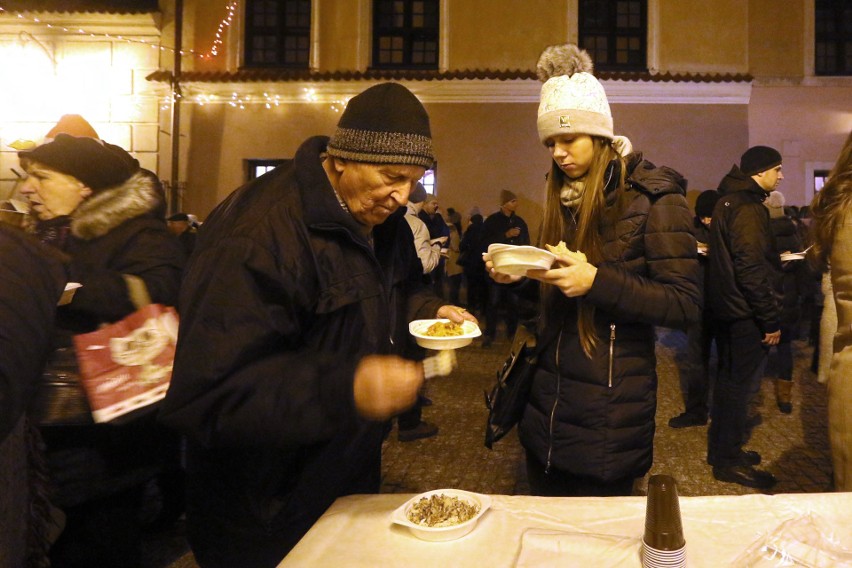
[(93, 202), (588, 427)]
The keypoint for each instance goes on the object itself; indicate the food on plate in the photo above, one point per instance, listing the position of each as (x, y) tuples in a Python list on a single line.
[(441, 511), (562, 249), (444, 329)]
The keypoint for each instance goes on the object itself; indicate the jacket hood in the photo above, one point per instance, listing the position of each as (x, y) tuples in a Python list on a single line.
[(654, 180), (735, 180), (107, 209)]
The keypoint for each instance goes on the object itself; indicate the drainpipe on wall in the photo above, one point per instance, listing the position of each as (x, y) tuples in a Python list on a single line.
[(175, 199)]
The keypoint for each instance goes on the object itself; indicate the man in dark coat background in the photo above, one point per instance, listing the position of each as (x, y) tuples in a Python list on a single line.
[(507, 227), (744, 272), (293, 349), (31, 281)]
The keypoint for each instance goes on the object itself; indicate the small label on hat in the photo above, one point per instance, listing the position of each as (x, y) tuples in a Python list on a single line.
[(564, 121)]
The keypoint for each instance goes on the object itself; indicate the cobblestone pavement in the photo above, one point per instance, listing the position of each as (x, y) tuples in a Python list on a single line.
[(794, 446)]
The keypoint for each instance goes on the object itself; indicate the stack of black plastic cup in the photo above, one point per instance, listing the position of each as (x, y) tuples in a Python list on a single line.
[(663, 544)]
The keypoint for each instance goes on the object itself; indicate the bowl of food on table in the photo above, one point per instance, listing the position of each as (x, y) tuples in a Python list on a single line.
[(442, 514)]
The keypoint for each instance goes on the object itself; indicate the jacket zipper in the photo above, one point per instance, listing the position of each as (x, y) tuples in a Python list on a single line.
[(611, 350), (553, 410)]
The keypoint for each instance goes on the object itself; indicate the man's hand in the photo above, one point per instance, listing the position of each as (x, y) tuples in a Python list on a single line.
[(455, 314), (513, 232), (772, 338), (386, 385), (572, 275)]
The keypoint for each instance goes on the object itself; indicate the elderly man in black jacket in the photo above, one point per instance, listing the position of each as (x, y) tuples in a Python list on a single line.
[(744, 273), (294, 348)]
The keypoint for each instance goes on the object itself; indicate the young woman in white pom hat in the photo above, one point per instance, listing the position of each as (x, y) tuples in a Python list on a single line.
[(588, 428)]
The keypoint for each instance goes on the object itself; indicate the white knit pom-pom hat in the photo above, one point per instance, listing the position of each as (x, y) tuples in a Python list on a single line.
[(572, 100)]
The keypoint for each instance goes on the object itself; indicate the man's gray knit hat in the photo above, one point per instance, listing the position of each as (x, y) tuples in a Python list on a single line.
[(385, 124)]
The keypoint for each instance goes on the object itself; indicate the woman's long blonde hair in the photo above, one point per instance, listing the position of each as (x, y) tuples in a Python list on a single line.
[(830, 207), (587, 238)]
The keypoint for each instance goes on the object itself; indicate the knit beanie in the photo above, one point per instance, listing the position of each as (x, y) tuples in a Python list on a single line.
[(97, 164), (418, 194), (385, 124), (705, 203), (572, 100), (506, 196), (758, 159), (72, 124), (775, 203)]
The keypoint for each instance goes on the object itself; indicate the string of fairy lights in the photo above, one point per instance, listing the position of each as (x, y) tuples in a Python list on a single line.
[(218, 40), (266, 100)]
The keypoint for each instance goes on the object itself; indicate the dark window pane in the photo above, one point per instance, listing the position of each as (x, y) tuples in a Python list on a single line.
[(614, 32), (832, 30), (413, 26), (277, 33)]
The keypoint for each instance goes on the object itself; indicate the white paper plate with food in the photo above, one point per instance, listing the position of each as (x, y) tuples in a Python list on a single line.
[(442, 333), (516, 260), (442, 514)]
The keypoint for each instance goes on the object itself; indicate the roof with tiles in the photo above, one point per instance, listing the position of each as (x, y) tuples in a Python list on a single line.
[(84, 6), (288, 75)]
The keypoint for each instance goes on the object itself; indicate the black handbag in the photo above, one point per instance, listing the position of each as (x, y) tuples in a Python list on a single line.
[(509, 396)]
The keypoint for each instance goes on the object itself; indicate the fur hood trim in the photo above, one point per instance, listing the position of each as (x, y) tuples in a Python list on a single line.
[(109, 208)]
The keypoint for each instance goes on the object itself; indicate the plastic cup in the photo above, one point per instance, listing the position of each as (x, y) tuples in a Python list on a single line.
[(663, 528)]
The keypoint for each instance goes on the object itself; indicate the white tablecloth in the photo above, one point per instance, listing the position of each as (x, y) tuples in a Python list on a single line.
[(357, 531)]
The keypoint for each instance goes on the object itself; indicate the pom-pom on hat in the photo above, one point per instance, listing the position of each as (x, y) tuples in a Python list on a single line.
[(705, 202), (572, 100), (758, 159), (385, 124), (72, 124), (775, 203), (506, 196), (97, 164)]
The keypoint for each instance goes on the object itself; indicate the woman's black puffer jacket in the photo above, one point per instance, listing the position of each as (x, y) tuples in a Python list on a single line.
[(595, 417)]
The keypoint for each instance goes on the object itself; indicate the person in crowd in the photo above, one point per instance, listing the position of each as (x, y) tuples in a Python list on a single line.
[(793, 279), (92, 201), (744, 279), (831, 211), (454, 218), (180, 226), (507, 227), (695, 385), (32, 277), (588, 427), (428, 252), (470, 251), (440, 233), (303, 283), (410, 423), (452, 269)]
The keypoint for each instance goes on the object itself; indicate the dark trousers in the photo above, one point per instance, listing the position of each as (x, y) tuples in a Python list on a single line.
[(502, 304), (477, 289), (411, 417), (102, 532), (561, 484), (742, 360), (695, 377)]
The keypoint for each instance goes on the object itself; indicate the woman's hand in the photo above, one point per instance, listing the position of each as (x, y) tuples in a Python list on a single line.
[(498, 277), (455, 314), (572, 275)]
